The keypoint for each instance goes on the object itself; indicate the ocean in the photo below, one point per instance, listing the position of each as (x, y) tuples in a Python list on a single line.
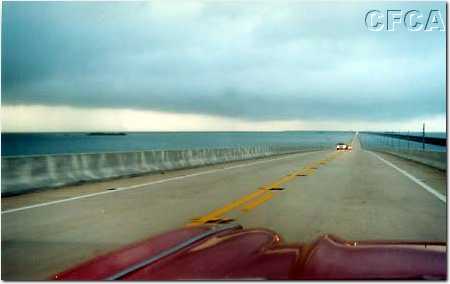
[(18, 144)]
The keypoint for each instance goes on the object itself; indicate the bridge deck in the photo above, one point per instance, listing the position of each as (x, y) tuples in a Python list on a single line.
[(354, 195)]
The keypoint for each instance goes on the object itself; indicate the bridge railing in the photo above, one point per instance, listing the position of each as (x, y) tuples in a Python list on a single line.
[(22, 174), (431, 151)]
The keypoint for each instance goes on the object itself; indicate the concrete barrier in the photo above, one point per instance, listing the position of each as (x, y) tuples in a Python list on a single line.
[(21, 174)]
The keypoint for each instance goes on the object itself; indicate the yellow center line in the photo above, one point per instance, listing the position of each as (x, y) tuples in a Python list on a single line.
[(304, 172), (260, 196), (311, 168), (218, 213), (255, 203)]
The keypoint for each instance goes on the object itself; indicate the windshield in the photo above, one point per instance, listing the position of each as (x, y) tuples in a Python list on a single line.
[(124, 120)]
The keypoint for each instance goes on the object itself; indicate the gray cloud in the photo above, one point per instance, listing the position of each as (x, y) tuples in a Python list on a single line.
[(254, 60)]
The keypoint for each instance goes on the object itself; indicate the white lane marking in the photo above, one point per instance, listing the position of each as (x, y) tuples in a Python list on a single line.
[(152, 183), (440, 196)]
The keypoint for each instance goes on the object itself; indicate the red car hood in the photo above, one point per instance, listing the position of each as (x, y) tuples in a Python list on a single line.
[(230, 252)]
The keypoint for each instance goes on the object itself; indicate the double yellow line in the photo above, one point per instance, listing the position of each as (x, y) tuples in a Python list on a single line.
[(260, 196)]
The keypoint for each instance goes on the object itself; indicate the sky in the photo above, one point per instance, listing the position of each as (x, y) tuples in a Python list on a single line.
[(218, 65)]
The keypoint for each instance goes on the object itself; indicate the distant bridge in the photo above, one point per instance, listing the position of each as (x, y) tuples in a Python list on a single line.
[(422, 139)]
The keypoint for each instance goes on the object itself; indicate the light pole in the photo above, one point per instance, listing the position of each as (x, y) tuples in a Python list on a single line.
[(423, 137)]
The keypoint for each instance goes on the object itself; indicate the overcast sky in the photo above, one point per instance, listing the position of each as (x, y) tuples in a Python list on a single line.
[(217, 66)]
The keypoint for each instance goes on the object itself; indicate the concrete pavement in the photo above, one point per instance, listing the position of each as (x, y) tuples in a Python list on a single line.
[(354, 195), (357, 196)]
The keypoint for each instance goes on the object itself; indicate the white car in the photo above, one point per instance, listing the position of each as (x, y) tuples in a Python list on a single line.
[(341, 146)]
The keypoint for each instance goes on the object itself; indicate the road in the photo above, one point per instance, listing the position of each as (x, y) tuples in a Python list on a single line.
[(354, 195)]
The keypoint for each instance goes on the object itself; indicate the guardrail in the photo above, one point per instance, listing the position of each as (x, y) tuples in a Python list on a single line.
[(26, 173)]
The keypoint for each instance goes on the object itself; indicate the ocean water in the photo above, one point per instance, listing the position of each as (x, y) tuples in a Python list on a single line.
[(15, 144)]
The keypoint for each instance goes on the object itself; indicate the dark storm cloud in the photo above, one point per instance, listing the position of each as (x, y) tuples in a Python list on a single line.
[(258, 61)]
